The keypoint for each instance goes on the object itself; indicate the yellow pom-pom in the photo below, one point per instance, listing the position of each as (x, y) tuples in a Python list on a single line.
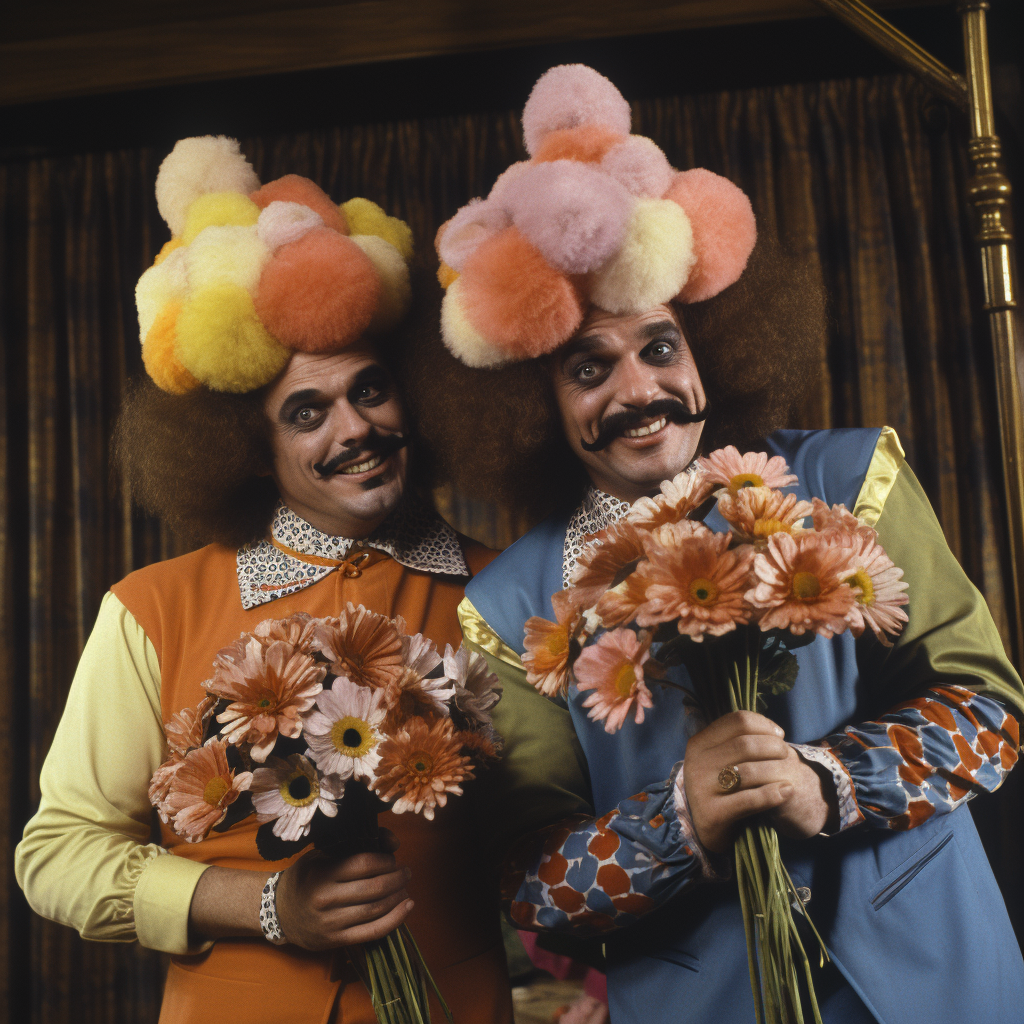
[(446, 276), (653, 262), (395, 290), (463, 340), (222, 343), (367, 218), (168, 247), (226, 255), (158, 355), (164, 282), (218, 208)]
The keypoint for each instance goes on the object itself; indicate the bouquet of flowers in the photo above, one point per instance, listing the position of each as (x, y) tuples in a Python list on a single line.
[(318, 725), (659, 588)]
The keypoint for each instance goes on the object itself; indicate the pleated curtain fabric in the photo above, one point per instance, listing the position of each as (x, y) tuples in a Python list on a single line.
[(865, 179)]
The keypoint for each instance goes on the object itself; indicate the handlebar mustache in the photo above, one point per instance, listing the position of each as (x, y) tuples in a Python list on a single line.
[(383, 445), (619, 422)]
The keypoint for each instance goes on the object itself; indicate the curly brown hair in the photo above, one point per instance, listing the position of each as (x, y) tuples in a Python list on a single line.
[(497, 435)]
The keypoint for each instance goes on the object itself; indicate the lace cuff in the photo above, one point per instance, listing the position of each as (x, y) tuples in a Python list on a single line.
[(713, 867), (849, 812)]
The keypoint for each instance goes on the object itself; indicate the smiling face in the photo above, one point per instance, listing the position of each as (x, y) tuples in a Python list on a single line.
[(627, 390), (337, 435)]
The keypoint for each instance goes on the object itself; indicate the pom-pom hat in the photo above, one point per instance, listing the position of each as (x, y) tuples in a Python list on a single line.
[(595, 216), (253, 273)]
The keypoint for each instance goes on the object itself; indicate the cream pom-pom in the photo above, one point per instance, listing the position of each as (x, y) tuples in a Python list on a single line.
[(462, 339), (226, 255), (223, 344), (365, 217), (209, 163), (166, 281), (282, 222), (653, 263), (395, 290), (216, 209)]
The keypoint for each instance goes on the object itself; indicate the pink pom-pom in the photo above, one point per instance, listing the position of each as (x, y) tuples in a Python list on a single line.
[(499, 190), (724, 230), (293, 188), (281, 223), (574, 215), (568, 96), (475, 222), (516, 300), (318, 294), (588, 144), (639, 165)]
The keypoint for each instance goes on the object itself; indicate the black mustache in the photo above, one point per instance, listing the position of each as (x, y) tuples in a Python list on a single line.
[(619, 422), (383, 445)]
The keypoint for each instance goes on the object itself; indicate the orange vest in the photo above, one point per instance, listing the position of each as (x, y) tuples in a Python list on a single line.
[(190, 608)]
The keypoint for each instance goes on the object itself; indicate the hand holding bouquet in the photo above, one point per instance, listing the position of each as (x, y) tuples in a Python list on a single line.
[(318, 725), (659, 588)]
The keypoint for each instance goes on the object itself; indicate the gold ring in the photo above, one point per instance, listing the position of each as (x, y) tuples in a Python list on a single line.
[(729, 778)]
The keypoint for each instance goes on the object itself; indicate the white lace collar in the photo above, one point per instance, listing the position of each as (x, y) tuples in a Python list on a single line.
[(298, 554)]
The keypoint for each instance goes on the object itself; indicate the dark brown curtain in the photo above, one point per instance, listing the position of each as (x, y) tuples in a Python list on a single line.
[(864, 178)]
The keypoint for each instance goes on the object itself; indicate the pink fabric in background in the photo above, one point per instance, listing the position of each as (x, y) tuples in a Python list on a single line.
[(561, 967)]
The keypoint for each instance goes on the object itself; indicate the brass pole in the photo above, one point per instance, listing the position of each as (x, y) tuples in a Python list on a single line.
[(988, 191), (868, 23)]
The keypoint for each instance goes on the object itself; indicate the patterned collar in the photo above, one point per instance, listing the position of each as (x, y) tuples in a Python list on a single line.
[(298, 554), (597, 511)]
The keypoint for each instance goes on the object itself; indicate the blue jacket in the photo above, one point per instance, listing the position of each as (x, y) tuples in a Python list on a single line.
[(914, 920)]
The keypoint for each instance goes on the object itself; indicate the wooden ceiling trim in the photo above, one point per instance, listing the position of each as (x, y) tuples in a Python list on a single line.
[(274, 41)]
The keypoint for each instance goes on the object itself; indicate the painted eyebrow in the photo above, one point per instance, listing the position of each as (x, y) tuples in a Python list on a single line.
[(373, 372), (591, 342), (652, 330), (296, 399)]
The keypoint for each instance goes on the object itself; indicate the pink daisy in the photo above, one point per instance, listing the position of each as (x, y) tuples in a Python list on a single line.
[(837, 518), (604, 556), (878, 585), (549, 646), (755, 513), (753, 469), (680, 496), (201, 790), (342, 730), (299, 630), (613, 668), (801, 583), (269, 687), (289, 793), (477, 689)]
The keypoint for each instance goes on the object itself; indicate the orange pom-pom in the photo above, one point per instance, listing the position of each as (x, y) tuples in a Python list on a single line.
[(168, 247), (319, 293), (158, 356), (588, 143), (293, 188), (445, 275), (516, 300)]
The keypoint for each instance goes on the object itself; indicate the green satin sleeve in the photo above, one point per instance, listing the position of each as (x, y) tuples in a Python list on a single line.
[(542, 775), (950, 637)]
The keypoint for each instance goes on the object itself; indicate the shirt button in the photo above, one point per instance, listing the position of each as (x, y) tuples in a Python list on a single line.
[(804, 893)]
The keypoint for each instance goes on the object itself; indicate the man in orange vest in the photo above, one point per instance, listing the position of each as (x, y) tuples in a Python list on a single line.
[(273, 427)]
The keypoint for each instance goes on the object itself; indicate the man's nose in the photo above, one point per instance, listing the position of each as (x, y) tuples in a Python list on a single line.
[(637, 384), (350, 428)]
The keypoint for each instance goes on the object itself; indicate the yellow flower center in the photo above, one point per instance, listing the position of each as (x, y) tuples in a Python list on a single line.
[(766, 527), (741, 480), (557, 644), (215, 790), (299, 790), (806, 586), (861, 579), (352, 736), (625, 679), (703, 592), (420, 763)]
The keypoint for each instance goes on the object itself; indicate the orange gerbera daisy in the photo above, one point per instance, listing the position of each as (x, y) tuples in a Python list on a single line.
[(362, 646), (202, 789), (269, 688), (603, 557), (698, 581), (802, 583), (753, 469), (755, 513), (185, 729), (680, 496), (550, 644), (299, 630), (878, 585), (837, 518), (614, 669), (420, 766)]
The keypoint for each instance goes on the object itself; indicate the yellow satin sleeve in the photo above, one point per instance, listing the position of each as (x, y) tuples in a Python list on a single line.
[(86, 859)]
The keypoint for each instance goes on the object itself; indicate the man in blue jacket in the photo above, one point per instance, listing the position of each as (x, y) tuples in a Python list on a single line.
[(864, 766)]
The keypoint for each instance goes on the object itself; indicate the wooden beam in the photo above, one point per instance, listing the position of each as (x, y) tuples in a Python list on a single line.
[(354, 32)]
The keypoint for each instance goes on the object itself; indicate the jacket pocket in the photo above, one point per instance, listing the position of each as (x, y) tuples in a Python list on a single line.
[(901, 876)]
